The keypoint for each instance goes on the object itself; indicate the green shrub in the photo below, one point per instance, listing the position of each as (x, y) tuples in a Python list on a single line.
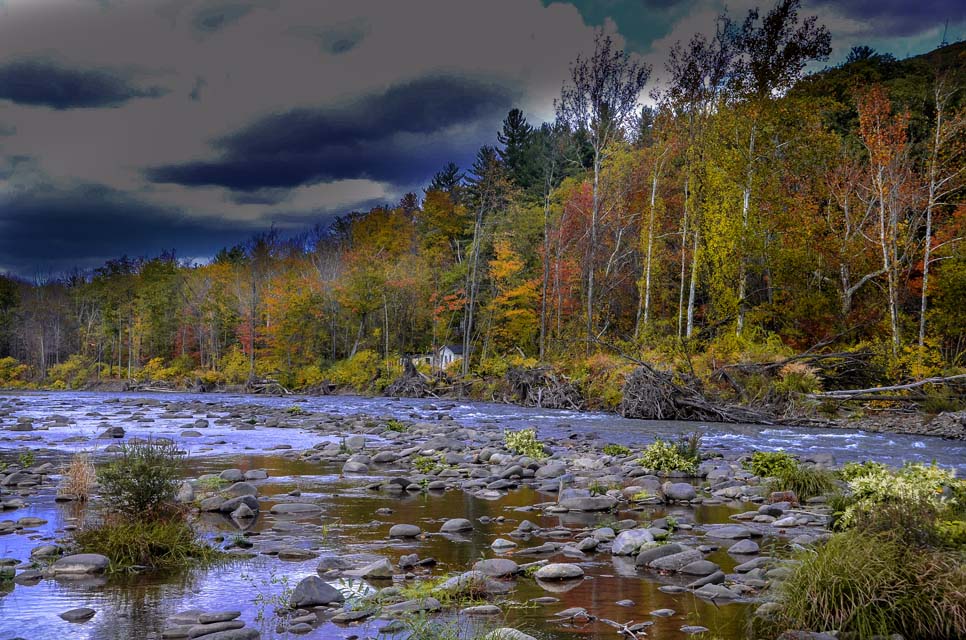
[(664, 456), (915, 487), (806, 482), (427, 464), (940, 400), (12, 373), (877, 585), (616, 450), (524, 443), (75, 372), (769, 464), (396, 426), (852, 470), (356, 372), (689, 446), (142, 480), (135, 542)]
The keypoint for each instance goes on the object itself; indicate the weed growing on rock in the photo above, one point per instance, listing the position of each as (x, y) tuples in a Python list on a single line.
[(769, 464), (79, 477), (664, 456), (524, 443), (616, 450)]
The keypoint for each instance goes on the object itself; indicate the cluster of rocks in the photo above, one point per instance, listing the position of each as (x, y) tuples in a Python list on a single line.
[(209, 625)]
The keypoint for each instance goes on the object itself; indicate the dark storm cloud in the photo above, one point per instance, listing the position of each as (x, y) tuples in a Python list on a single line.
[(83, 225), (897, 17), (40, 82), (384, 137)]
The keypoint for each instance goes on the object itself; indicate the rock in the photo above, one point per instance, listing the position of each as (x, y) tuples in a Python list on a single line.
[(404, 531), (472, 583), (242, 489), (716, 592), (412, 606), (693, 629), (456, 525), (497, 567), (211, 504), (700, 568), (681, 491), (559, 571), (81, 614), (729, 532), (676, 561), (233, 634), (355, 443), (232, 475), (295, 553), (482, 610), (81, 564), (186, 493), (744, 547), (112, 432), (243, 512), (232, 504), (353, 466), (590, 503), (314, 591), (648, 555), (551, 470), (296, 508), (629, 542), (378, 570), (502, 543), (218, 616), (663, 613), (256, 474)]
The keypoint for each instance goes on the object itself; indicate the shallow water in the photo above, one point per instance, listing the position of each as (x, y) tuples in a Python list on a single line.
[(348, 526)]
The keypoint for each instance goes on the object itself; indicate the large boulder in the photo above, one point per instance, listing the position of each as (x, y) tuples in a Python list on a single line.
[(594, 503), (629, 542), (559, 571), (314, 591), (81, 564)]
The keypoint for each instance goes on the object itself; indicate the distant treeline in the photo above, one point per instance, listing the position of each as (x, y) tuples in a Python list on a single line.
[(750, 210)]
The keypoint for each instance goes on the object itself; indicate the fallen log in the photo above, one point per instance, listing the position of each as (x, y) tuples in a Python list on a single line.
[(851, 394)]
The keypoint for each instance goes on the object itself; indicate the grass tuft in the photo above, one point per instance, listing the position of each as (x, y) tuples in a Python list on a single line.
[(163, 545)]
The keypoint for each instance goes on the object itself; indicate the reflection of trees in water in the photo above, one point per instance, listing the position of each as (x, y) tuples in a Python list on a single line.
[(134, 606)]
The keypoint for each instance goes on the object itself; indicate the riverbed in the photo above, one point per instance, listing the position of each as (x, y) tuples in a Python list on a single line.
[(246, 433)]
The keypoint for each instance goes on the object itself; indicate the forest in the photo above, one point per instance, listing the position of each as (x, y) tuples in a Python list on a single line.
[(727, 209)]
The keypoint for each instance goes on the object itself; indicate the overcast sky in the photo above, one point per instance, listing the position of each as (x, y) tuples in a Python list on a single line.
[(133, 126)]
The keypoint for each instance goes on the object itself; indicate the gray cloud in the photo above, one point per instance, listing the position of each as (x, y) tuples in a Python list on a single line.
[(42, 82), (897, 17), (380, 137)]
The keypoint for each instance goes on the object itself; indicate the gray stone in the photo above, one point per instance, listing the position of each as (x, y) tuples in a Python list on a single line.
[(676, 561), (497, 567), (81, 614), (456, 525), (207, 630), (648, 555), (700, 568), (559, 571), (296, 508), (314, 591), (594, 503), (404, 531), (506, 633), (81, 564), (630, 541), (744, 547), (729, 532), (232, 475), (679, 491)]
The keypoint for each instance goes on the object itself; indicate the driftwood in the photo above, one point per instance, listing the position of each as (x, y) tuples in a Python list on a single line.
[(650, 394), (855, 394), (266, 386), (411, 384), (542, 388)]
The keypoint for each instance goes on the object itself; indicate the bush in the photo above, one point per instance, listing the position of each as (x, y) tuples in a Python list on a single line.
[(356, 372), (664, 456), (852, 470), (806, 482), (879, 493), (797, 378), (616, 450), (235, 366), (524, 443), (79, 477), (877, 585), (141, 480), (769, 464), (73, 373), (12, 373), (157, 544)]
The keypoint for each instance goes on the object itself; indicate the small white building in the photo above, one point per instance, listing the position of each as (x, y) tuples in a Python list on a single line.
[(448, 354)]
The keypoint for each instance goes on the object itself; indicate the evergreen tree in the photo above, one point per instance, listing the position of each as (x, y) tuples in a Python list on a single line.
[(516, 154)]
